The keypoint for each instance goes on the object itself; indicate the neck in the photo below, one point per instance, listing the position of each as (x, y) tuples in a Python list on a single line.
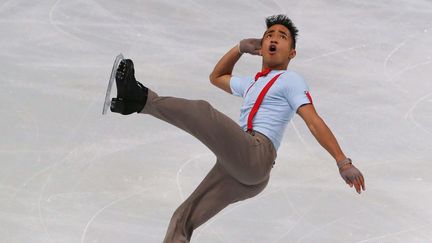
[(276, 67)]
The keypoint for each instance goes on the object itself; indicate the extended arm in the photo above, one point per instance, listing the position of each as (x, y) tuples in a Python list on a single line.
[(325, 137), (321, 131)]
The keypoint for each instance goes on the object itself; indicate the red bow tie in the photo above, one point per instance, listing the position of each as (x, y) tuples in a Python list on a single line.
[(262, 74)]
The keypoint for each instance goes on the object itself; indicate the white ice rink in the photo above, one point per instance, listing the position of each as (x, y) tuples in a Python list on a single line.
[(69, 174)]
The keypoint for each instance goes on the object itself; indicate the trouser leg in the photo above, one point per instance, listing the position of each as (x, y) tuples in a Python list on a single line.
[(239, 153), (215, 192)]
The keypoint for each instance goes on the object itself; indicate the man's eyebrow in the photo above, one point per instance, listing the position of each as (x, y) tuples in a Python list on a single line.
[(283, 32), (272, 31)]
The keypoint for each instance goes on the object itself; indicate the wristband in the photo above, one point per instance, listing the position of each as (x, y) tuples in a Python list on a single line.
[(344, 162), (238, 48)]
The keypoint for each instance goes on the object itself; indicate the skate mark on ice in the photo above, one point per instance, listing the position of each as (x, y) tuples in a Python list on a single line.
[(56, 26), (29, 179), (316, 229), (98, 6), (410, 117), (37, 134), (296, 212), (392, 52), (319, 228), (29, 117), (300, 219), (332, 53), (190, 160), (124, 24), (408, 68), (305, 144), (234, 207), (101, 210), (56, 164), (400, 45), (258, 197), (384, 236)]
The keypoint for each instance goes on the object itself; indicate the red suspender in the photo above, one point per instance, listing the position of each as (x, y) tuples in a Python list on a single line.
[(257, 76), (259, 101)]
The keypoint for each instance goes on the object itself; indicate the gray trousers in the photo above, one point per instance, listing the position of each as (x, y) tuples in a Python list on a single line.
[(242, 169)]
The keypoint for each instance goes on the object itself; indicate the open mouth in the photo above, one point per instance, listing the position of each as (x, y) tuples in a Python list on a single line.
[(272, 49)]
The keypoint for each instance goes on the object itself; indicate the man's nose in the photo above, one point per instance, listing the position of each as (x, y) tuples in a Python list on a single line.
[(273, 41)]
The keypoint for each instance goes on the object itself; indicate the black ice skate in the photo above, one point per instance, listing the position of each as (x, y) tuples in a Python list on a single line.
[(131, 94)]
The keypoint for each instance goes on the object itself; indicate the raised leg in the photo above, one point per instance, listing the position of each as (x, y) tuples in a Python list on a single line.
[(244, 157)]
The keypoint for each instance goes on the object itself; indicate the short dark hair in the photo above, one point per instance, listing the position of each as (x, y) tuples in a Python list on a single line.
[(285, 21)]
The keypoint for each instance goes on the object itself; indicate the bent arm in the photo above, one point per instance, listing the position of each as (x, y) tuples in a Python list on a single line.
[(222, 72)]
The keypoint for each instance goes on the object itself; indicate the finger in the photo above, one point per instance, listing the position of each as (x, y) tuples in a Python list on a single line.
[(362, 182), (257, 42), (354, 182), (351, 181), (360, 178), (255, 52), (347, 180), (357, 185), (259, 51)]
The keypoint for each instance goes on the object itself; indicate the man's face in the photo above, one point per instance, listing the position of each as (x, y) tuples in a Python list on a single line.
[(276, 47)]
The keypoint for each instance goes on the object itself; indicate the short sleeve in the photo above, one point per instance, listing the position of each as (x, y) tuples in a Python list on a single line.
[(297, 92), (239, 85)]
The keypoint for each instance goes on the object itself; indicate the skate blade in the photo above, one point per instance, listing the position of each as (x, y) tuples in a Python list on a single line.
[(107, 102)]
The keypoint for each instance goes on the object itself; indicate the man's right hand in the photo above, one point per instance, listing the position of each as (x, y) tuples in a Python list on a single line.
[(251, 46)]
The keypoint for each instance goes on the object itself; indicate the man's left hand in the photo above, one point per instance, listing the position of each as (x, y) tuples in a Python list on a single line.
[(353, 177)]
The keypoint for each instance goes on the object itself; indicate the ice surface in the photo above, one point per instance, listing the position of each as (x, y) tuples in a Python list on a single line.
[(69, 174)]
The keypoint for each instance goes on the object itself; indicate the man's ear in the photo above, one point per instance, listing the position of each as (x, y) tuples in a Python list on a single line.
[(293, 53)]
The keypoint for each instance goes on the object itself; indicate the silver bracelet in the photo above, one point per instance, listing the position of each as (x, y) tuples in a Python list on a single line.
[(344, 162)]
